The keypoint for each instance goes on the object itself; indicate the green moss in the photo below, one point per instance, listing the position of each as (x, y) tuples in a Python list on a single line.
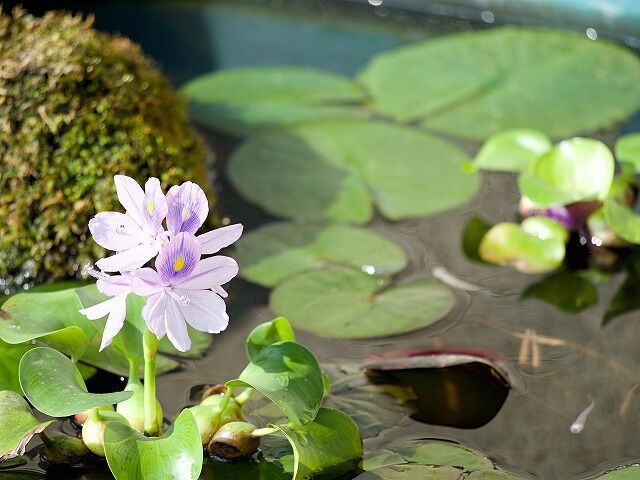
[(76, 107)]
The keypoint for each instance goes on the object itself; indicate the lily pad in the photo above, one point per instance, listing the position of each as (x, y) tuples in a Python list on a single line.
[(492, 475), (411, 472), (558, 82), (338, 170), (330, 445), (575, 170), (289, 375), (623, 473), (345, 303), (512, 150), (273, 253), (54, 386), (17, 425), (177, 454), (441, 453), (244, 99), (268, 333), (535, 246)]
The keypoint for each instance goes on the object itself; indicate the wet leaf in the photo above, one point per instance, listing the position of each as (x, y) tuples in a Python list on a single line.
[(54, 386), (177, 454), (512, 150), (268, 333), (339, 170), (627, 150), (346, 303), (244, 99), (289, 375), (440, 453), (535, 246), (325, 448), (17, 425), (270, 254), (568, 291), (243, 470), (558, 82), (411, 472), (575, 170), (492, 475)]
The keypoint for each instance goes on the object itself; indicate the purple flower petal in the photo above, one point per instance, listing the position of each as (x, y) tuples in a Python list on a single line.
[(178, 258), (146, 282), (206, 311), (113, 285), (215, 240), (176, 326), (132, 198), (154, 313), (211, 272), (128, 260), (188, 208), (155, 204), (116, 231)]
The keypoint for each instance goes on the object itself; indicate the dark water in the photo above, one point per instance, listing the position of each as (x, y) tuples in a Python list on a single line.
[(578, 360)]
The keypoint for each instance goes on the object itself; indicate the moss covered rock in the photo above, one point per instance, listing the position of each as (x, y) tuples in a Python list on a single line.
[(76, 107)]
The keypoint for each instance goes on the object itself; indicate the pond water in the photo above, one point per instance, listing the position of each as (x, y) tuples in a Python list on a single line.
[(571, 360)]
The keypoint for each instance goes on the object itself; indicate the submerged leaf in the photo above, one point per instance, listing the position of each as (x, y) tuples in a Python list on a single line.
[(566, 290)]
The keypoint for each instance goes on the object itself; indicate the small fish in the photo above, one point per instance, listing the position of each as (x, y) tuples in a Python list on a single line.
[(581, 419), (445, 276)]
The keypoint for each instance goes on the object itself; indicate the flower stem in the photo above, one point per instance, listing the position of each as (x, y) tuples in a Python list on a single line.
[(150, 347), (134, 372)]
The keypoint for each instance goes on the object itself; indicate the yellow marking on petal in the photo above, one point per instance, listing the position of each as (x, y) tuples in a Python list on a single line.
[(186, 213), (178, 264), (150, 207)]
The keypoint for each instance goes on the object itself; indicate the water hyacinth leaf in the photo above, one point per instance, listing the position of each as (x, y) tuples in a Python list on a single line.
[(10, 356), (568, 291), (623, 220), (474, 231), (338, 170), (328, 447), (12, 463), (177, 454), (243, 469), (275, 252), (574, 170), (268, 333), (627, 150), (558, 82), (535, 246), (243, 99), (623, 473), (345, 303), (439, 453), (53, 385), (17, 425), (512, 150), (289, 375), (492, 475), (626, 299), (411, 472)]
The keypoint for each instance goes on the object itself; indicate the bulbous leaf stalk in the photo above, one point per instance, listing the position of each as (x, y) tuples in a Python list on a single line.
[(133, 408), (234, 441), (211, 414)]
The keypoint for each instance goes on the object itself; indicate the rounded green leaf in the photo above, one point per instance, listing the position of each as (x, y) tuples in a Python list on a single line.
[(346, 303), (330, 445), (176, 455), (492, 475), (247, 98), (54, 386), (558, 82), (268, 333), (535, 246), (17, 425), (631, 472), (438, 453), (623, 220), (574, 170), (411, 472), (627, 150), (512, 150), (289, 375), (275, 252), (339, 170), (567, 290)]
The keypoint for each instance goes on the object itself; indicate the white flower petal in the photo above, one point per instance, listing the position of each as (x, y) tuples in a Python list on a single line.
[(128, 260), (116, 231), (206, 311), (132, 198), (154, 313), (115, 320), (155, 204), (114, 284), (99, 310), (146, 282), (215, 240), (176, 327), (211, 272)]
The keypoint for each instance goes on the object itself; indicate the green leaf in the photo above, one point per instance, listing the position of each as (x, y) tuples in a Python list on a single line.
[(439, 453), (54, 386), (568, 291), (574, 170), (474, 231), (512, 150), (622, 220), (289, 375), (338, 170), (10, 356), (631, 472), (492, 475), (244, 99), (243, 470), (17, 425), (535, 246), (558, 82), (627, 150), (176, 455), (346, 303), (325, 448), (626, 299), (275, 252), (268, 333), (411, 472)]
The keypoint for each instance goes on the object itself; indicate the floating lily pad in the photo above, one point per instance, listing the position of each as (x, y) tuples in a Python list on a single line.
[(177, 454), (54, 386), (411, 472), (558, 82), (440, 453), (17, 425), (631, 472), (273, 253), (512, 150), (244, 99), (492, 475), (339, 170), (535, 246), (346, 303), (575, 170), (330, 445)]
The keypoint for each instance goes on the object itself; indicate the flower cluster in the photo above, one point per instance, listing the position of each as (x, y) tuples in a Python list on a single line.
[(184, 288)]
